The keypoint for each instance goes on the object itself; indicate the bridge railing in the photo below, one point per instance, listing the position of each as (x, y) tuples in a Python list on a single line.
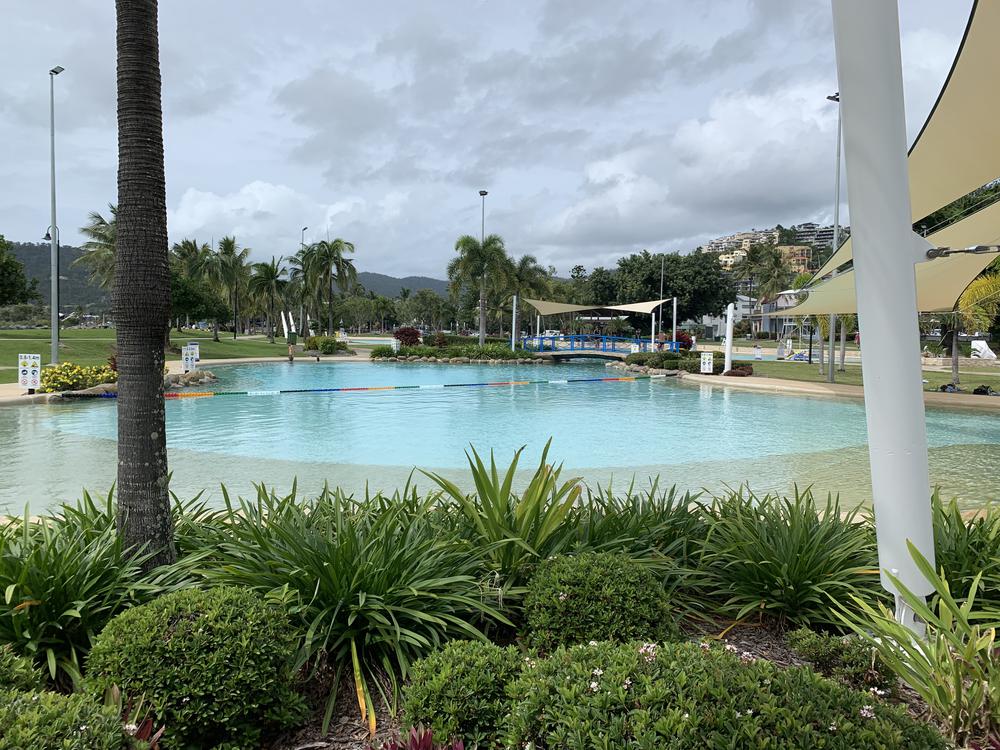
[(588, 342)]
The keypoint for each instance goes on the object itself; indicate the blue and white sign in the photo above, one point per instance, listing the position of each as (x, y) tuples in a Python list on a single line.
[(707, 362)]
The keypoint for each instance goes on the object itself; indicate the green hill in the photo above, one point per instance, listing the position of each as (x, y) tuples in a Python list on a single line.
[(74, 282)]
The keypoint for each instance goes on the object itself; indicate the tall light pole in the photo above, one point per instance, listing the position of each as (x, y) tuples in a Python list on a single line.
[(302, 242), (54, 229), (482, 231), (660, 309), (482, 304), (836, 225)]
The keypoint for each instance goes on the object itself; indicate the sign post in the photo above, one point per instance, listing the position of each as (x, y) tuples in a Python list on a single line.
[(29, 370), (707, 363)]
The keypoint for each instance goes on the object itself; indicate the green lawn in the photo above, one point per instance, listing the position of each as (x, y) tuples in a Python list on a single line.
[(807, 372), (92, 347)]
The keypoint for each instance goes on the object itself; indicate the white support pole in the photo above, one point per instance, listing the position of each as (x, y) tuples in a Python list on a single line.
[(730, 308), (866, 35), (673, 336), (513, 327), (652, 330)]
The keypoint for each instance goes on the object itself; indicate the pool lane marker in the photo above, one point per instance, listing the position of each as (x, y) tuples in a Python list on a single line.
[(362, 389)]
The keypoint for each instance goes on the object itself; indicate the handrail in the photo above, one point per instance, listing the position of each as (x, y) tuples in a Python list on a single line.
[(594, 342)]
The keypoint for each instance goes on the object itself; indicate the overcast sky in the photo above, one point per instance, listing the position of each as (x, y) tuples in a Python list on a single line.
[(598, 127)]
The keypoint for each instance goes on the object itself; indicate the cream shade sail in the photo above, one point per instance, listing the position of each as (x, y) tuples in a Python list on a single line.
[(558, 308), (940, 282), (957, 150)]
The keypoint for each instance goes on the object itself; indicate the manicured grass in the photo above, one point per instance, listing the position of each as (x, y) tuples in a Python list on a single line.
[(92, 347), (806, 372)]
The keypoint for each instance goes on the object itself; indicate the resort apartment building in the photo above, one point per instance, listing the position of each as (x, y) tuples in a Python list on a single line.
[(817, 236), (797, 257), (741, 241)]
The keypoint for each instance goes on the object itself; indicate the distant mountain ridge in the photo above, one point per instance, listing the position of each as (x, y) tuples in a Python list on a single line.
[(389, 286), (76, 289)]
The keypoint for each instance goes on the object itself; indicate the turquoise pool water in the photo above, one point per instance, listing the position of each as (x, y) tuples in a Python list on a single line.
[(705, 436)]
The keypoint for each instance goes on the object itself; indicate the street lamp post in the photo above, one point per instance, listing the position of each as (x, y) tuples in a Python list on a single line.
[(302, 242), (482, 240), (836, 227), (54, 229)]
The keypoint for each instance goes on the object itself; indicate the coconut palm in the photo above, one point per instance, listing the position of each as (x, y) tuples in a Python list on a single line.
[(267, 282), (101, 245), (190, 257), (141, 296), (477, 263), (975, 310), (328, 266), (233, 273)]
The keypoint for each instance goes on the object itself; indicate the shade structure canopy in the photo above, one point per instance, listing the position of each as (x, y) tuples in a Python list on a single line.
[(940, 282), (957, 150), (557, 308)]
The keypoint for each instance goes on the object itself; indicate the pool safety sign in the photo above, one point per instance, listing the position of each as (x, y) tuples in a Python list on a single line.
[(29, 369), (189, 357), (707, 362)]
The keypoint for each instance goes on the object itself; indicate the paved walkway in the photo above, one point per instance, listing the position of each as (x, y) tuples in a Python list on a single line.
[(838, 390)]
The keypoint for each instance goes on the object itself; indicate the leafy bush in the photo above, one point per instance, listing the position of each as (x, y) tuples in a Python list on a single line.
[(373, 584), (18, 672), (693, 365), (740, 371), (489, 351), (684, 339), (955, 668), (965, 548), (848, 659), (50, 721), (69, 377), (440, 340), (683, 697), (638, 358), (786, 558), (325, 344), (213, 665), (514, 531), (460, 692), (407, 336), (63, 578), (595, 596), (382, 351)]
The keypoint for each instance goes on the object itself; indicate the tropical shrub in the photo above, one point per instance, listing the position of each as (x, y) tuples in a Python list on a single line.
[(18, 672), (69, 377), (419, 738), (214, 665), (489, 351), (382, 351), (372, 584), (595, 596), (786, 559), (440, 340), (693, 365), (638, 358), (955, 667), (684, 339), (687, 697), (325, 344), (63, 579), (848, 659), (967, 547), (50, 721), (514, 531), (460, 691), (740, 371), (407, 336)]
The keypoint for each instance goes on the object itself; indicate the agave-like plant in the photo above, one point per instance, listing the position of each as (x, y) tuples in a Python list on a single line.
[(374, 583), (514, 530)]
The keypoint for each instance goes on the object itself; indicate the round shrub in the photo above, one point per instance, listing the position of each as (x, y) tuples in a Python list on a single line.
[(69, 377), (687, 697), (52, 721), (460, 692), (213, 665), (407, 336), (595, 596), (18, 672)]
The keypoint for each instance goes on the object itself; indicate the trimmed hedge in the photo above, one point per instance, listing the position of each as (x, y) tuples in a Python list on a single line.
[(460, 692), (595, 596), (18, 672), (213, 665), (490, 351), (325, 344), (640, 696), (51, 721)]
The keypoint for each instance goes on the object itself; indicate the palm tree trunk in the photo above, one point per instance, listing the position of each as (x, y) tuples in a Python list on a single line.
[(215, 330), (270, 319), (330, 311), (843, 344), (482, 311), (141, 296), (954, 353)]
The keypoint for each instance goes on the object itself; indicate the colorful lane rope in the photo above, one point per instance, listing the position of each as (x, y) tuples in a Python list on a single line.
[(287, 391)]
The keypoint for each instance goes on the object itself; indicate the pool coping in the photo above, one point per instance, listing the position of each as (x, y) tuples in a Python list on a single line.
[(963, 401)]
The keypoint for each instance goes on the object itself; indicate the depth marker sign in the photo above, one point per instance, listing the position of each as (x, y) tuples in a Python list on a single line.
[(29, 369)]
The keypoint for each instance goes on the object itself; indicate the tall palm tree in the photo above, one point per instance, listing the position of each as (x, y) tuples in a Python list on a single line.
[(232, 272), (190, 257), (101, 246), (329, 267), (141, 296), (476, 263), (526, 276), (976, 309), (267, 280)]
